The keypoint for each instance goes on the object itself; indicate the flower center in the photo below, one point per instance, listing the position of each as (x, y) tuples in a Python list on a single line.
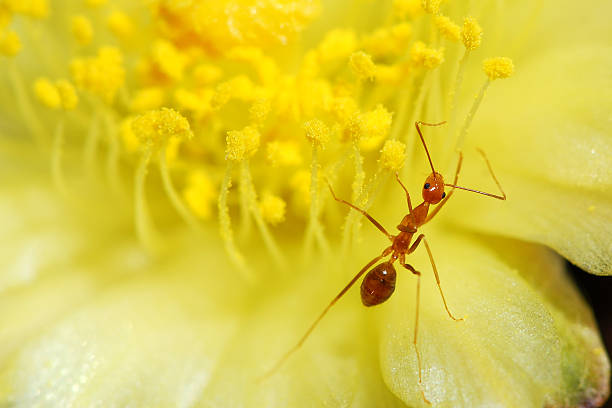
[(210, 92)]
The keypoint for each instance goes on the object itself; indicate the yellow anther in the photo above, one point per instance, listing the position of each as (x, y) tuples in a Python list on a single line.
[(95, 3), (155, 128), (241, 144), (375, 126), (431, 6), (170, 61), (259, 110), (362, 65), (388, 41), (82, 29), (30, 8), (206, 74), (448, 28), (5, 17), (222, 95), (47, 93), (393, 155), (102, 75), (427, 57), (147, 99), (273, 209), (200, 194), (284, 153), (337, 45), (498, 67), (131, 143), (317, 133), (120, 24), (471, 33), (407, 8), (10, 45), (343, 108), (352, 128), (68, 94)]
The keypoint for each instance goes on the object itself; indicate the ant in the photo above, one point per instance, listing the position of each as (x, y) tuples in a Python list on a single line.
[(379, 283)]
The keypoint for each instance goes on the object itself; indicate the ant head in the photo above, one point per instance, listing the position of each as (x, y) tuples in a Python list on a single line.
[(433, 189)]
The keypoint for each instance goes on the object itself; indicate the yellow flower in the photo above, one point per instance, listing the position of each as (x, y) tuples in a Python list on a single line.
[(168, 233)]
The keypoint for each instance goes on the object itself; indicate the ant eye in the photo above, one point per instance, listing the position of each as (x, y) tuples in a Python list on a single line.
[(426, 186), (443, 195)]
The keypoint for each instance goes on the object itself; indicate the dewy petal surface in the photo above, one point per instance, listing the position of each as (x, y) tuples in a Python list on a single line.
[(522, 316)]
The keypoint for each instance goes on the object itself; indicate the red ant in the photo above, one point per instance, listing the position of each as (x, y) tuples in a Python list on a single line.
[(379, 283)]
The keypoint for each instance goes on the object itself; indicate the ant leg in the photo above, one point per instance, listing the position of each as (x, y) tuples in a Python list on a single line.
[(368, 216), (402, 261), (499, 197), (318, 319), (484, 156), (413, 247), (450, 193), (406, 191)]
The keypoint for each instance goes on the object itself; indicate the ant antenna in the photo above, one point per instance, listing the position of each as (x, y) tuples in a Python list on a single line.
[(499, 197), (417, 123)]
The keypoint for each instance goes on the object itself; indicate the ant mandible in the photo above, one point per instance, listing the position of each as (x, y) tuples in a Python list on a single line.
[(379, 283)]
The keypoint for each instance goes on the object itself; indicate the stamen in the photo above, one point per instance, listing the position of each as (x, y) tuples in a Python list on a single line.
[(112, 158), (318, 134), (90, 148), (10, 44), (47, 93), (392, 155), (82, 29), (56, 158), (498, 68), (350, 228), (245, 217), (144, 227), (120, 24), (240, 145), (471, 33), (175, 199), (448, 28), (314, 226), (31, 120), (69, 100), (273, 209), (362, 66), (431, 6), (251, 199), (494, 68), (225, 226)]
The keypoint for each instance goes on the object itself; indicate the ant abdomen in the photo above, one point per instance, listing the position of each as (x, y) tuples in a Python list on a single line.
[(378, 285)]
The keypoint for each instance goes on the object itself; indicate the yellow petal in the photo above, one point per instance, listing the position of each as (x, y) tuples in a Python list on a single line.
[(523, 315), (550, 146)]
